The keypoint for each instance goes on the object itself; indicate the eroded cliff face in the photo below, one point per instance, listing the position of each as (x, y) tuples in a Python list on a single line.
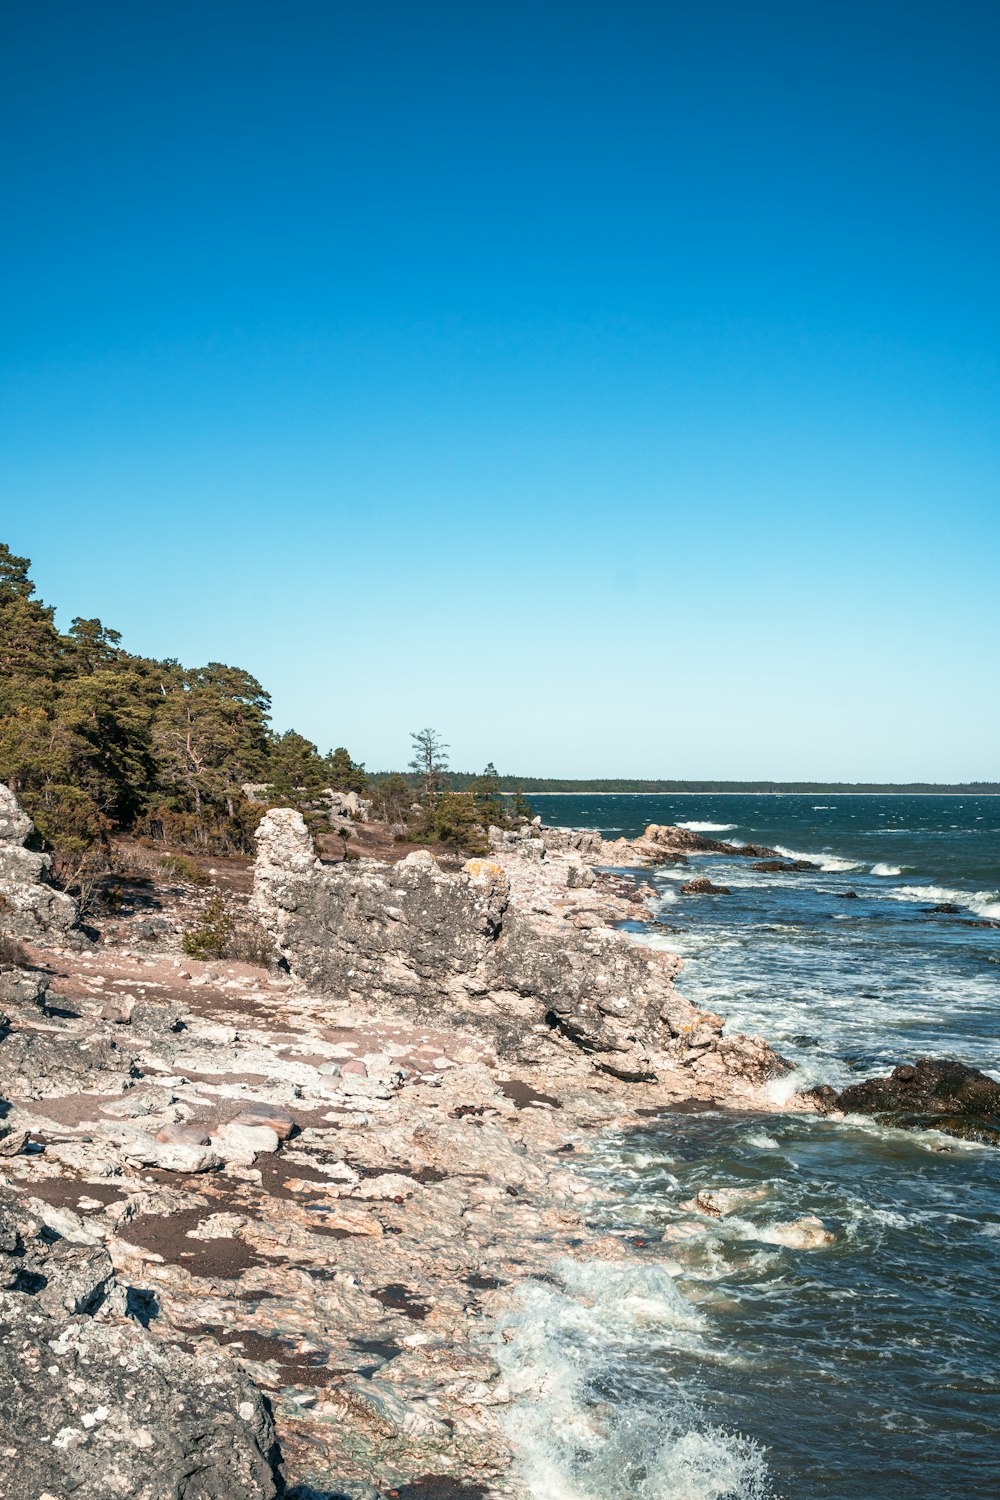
[(459, 950)]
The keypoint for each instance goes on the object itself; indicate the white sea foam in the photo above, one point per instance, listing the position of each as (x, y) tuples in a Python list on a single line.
[(883, 869), (707, 827), (983, 903), (565, 1344), (829, 863)]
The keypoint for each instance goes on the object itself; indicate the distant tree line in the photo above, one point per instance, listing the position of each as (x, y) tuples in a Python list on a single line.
[(460, 780)]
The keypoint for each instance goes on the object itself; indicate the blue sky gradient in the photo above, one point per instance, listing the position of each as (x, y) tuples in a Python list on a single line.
[(613, 387)]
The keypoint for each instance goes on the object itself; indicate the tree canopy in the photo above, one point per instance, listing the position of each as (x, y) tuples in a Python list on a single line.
[(94, 739)]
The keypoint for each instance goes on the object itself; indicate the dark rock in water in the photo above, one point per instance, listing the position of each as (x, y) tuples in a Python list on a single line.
[(777, 866), (848, 896), (941, 1094), (102, 1409), (945, 909), (702, 886)]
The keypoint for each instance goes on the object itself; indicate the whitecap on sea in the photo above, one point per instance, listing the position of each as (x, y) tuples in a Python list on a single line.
[(983, 903), (707, 827), (829, 863)]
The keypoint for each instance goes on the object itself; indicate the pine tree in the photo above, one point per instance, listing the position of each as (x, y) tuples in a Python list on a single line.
[(430, 758), (343, 774)]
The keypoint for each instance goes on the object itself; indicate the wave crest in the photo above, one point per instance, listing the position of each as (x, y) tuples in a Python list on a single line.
[(707, 827)]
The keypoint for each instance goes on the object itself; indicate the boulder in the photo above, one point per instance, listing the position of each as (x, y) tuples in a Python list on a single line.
[(668, 844), (272, 1115), (41, 1064), (240, 1145), (933, 1092), (101, 1408), (702, 886)]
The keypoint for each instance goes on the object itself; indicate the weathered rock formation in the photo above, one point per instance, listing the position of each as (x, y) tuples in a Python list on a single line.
[(456, 949), (93, 1404), (939, 1093), (29, 906)]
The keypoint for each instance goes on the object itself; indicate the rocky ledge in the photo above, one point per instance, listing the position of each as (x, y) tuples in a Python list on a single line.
[(259, 1230), (421, 943)]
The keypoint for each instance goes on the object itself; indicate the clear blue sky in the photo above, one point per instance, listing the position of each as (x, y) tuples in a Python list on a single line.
[(611, 386)]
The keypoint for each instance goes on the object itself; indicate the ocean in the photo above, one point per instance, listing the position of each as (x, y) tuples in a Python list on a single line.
[(718, 1364)]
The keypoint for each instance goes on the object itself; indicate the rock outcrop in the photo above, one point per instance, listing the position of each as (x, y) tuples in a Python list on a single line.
[(937, 1093), (29, 906), (455, 948), (95, 1405), (702, 886)]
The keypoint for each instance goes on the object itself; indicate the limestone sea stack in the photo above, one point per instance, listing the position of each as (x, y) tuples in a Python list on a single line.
[(455, 947)]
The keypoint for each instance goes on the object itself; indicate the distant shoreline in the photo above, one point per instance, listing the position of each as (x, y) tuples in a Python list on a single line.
[(819, 792)]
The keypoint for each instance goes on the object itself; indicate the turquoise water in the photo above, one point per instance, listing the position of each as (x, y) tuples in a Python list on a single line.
[(865, 1370)]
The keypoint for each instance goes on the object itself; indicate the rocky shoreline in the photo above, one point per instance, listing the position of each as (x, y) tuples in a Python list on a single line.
[(259, 1231)]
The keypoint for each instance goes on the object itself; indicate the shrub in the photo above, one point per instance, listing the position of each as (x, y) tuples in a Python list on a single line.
[(211, 937), (451, 818), (183, 868), (225, 933)]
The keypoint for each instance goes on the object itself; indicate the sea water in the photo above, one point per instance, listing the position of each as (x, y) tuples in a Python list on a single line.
[(717, 1363)]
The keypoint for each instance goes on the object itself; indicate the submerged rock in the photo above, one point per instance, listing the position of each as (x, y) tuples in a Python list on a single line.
[(780, 866), (937, 1093), (702, 886), (808, 1233)]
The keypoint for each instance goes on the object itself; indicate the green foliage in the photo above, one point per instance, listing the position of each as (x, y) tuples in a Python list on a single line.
[(211, 938), (519, 809), (392, 798), (183, 868), (343, 774), (295, 768), (211, 734), (94, 739), (452, 818), (488, 798), (227, 933), (430, 759)]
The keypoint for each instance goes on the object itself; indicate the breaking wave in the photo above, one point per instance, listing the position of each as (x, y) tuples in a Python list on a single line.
[(983, 903), (568, 1345), (707, 827), (883, 869), (829, 863)]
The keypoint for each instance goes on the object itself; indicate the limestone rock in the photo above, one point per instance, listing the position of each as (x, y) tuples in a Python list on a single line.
[(103, 1409), (430, 944), (29, 906)]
